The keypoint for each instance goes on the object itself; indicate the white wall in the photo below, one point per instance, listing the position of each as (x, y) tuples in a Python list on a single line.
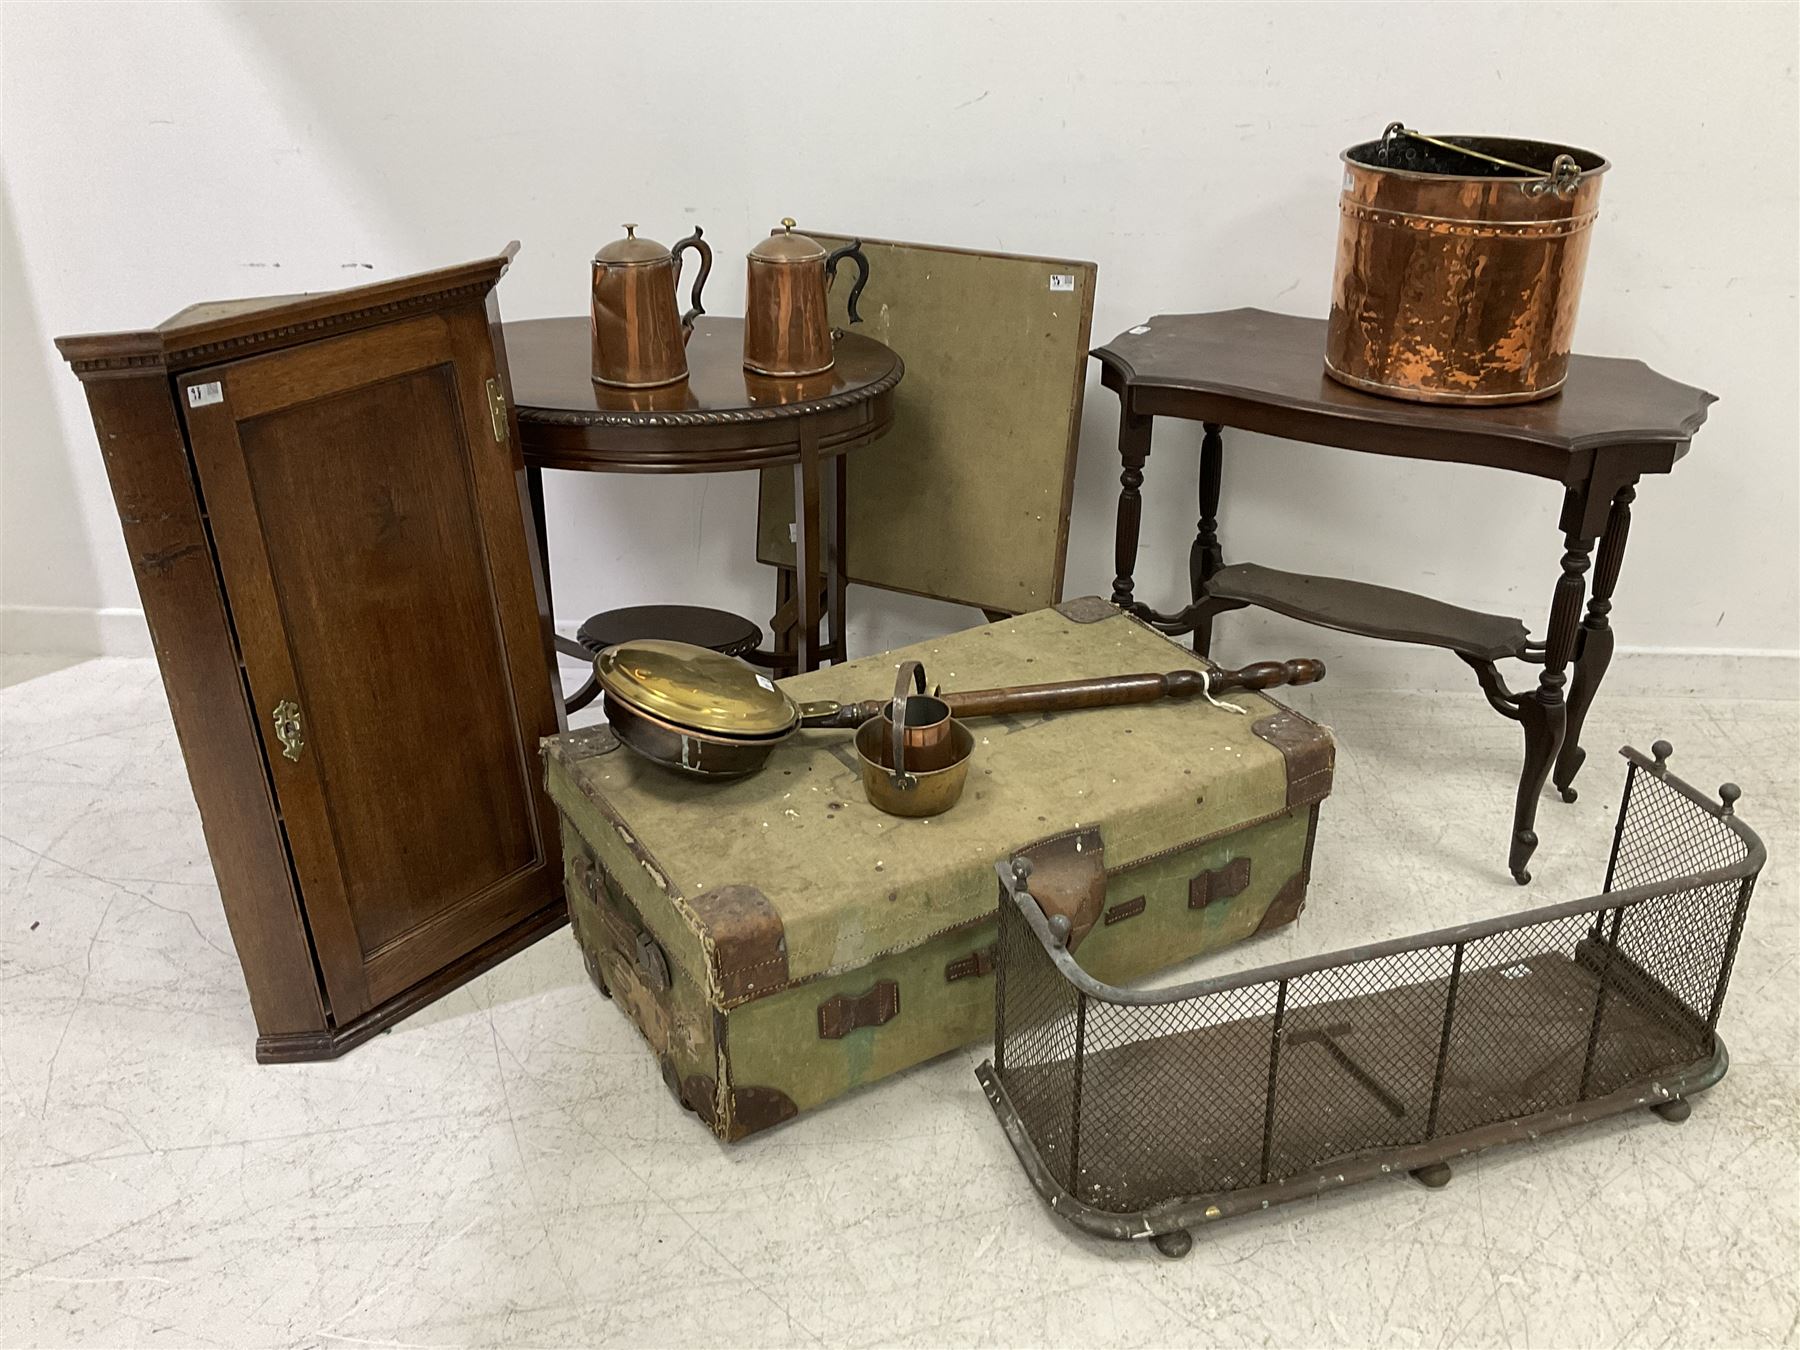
[(158, 155)]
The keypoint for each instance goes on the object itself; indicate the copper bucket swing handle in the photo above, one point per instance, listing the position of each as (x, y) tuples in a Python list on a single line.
[(1559, 178), (910, 672)]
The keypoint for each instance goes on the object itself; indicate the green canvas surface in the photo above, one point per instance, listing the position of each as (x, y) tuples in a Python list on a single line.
[(851, 883)]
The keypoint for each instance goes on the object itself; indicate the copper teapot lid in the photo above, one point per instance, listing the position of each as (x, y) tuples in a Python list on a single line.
[(788, 247), (631, 251)]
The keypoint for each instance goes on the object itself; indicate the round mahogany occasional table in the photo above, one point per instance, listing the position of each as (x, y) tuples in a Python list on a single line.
[(717, 629), (722, 418)]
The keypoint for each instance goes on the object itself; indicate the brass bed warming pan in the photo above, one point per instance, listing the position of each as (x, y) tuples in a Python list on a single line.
[(711, 716)]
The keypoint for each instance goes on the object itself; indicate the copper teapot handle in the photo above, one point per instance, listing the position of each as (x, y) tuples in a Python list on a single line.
[(852, 250), (704, 249), (910, 672)]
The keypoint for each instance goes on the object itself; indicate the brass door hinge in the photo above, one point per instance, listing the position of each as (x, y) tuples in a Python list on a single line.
[(497, 409), (288, 730)]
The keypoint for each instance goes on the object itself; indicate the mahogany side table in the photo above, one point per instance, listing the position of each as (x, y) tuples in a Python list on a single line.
[(722, 418), (1614, 421)]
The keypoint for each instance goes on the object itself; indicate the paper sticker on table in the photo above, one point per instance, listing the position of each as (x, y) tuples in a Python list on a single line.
[(1062, 281)]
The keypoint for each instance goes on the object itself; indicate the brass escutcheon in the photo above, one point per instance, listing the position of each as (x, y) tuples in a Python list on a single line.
[(287, 728)]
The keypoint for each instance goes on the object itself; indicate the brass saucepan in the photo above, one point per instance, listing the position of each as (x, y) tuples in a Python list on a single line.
[(711, 716), (914, 758)]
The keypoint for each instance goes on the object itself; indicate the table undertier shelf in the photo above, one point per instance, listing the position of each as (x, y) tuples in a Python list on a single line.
[(1614, 421), (1372, 611)]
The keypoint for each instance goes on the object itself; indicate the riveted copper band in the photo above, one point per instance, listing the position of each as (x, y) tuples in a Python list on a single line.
[(1485, 229)]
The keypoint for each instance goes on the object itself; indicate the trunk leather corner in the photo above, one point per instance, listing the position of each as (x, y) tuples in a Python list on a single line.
[(1308, 750), (750, 1110), (748, 944), (1087, 609), (1068, 876), (1287, 904)]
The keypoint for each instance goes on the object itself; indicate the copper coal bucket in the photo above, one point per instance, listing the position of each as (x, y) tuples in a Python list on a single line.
[(1459, 266)]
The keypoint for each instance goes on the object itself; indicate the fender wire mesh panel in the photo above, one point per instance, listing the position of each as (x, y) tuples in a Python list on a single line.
[(1140, 1114)]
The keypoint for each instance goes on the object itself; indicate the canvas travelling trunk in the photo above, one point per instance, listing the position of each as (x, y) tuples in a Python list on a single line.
[(779, 941)]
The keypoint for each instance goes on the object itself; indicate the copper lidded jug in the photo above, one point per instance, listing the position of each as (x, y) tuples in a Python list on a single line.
[(787, 331), (640, 340)]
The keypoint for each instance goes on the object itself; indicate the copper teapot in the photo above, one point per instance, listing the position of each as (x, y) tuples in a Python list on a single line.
[(639, 339), (787, 331)]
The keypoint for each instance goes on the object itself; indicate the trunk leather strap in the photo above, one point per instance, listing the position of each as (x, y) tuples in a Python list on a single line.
[(1219, 884), (840, 1014), (976, 963), (636, 946), (1125, 909)]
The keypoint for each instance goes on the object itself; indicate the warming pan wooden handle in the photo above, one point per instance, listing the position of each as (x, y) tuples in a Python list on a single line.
[(1114, 690)]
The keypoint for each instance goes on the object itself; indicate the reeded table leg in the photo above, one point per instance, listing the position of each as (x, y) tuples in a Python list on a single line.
[(1207, 557), (1596, 640), (1542, 713), (1134, 449)]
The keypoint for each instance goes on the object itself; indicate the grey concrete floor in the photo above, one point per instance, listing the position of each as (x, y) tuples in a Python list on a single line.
[(508, 1167)]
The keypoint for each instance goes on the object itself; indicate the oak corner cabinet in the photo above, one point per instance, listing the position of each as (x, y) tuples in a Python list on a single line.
[(325, 507)]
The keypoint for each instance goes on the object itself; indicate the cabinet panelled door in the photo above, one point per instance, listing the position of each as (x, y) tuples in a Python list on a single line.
[(364, 509)]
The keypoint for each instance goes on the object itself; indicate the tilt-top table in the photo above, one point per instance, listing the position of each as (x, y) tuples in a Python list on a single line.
[(1614, 421), (721, 418)]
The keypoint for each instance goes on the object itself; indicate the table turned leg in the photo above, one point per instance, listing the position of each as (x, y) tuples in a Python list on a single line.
[(1542, 712), (837, 528), (782, 624), (1134, 449), (785, 623), (534, 489), (560, 646), (809, 549), (1206, 556), (1595, 645)]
